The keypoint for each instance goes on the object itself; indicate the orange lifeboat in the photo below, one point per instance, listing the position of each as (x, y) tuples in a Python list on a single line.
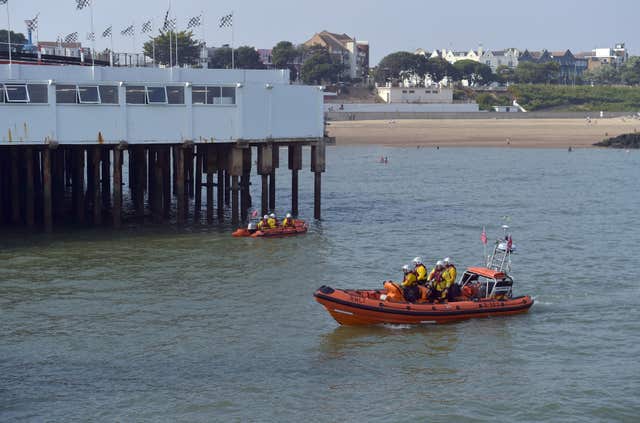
[(485, 292), (300, 227)]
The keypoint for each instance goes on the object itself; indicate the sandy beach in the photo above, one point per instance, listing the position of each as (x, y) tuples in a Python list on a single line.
[(524, 133)]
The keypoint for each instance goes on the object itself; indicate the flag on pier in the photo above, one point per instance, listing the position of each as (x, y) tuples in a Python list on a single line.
[(71, 38), (107, 32), (32, 24), (128, 31), (226, 21), (3, 1), (194, 22), (169, 24), (91, 36), (81, 4), (147, 27)]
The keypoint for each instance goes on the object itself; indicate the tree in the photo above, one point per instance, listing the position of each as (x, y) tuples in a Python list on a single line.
[(188, 48), (603, 75), (504, 74), (17, 40), (537, 73), (475, 72), (283, 54), (630, 71), (320, 66), (437, 68), (245, 57), (402, 65)]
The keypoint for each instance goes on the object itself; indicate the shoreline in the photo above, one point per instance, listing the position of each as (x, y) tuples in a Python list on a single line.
[(512, 133)]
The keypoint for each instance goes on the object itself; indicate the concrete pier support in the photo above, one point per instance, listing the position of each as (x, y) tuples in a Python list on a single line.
[(245, 182), (117, 187), (265, 167), (198, 179), (166, 181), (295, 165), (275, 163), (235, 168), (227, 186), (155, 163), (15, 187), (318, 155), (106, 177), (140, 167), (220, 191)]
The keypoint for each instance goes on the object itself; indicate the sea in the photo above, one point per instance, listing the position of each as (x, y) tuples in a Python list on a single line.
[(159, 323)]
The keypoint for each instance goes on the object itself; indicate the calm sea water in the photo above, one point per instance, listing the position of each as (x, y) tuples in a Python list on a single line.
[(153, 324)]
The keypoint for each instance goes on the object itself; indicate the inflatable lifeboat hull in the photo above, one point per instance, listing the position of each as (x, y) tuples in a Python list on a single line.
[(279, 232), (365, 307)]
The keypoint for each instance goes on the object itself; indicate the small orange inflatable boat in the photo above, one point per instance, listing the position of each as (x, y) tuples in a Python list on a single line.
[(485, 292), (299, 228)]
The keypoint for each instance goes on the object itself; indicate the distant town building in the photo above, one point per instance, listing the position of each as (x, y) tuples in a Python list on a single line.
[(494, 58), (597, 57), (265, 56), (350, 52), (58, 48), (429, 94), (570, 65), (455, 56)]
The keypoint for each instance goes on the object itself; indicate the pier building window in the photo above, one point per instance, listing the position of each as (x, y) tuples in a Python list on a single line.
[(88, 94), (175, 95), (199, 95), (213, 95), (66, 94), (16, 93), (135, 94), (108, 94), (38, 93), (156, 95)]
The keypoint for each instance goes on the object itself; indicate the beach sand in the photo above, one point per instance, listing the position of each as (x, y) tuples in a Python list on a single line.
[(525, 133)]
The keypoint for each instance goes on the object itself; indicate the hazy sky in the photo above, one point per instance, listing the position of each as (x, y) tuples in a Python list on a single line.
[(387, 25)]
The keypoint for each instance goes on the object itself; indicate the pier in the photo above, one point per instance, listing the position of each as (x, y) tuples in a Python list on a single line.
[(81, 145)]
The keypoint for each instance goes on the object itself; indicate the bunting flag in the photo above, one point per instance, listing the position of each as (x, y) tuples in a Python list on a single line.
[(483, 236), (128, 31), (169, 25), (194, 22), (147, 27), (91, 36), (81, 4), (107, 32), (32, 24), (226, 21), (71, 38), (3, 1)]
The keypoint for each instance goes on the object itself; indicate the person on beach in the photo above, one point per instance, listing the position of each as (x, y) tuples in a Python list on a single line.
[(264, 223), (272, 222), (420, 270), (288, 221)]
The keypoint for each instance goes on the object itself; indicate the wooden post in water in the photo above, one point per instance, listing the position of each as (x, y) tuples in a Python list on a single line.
[(166, 180), (198, 188), (2, 184), (117, 187), (180, 194), (97, 194), (140, 178), (275, 163), (265, 166), (15, 186), (317, 167), (155, 157), (220, 192), (46, 183), (211, 166), (29, 194), (106, 177), (78, 184), (227, 185), (295, 164)]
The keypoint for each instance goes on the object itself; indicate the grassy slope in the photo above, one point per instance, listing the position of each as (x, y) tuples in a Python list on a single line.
[(579, 98)]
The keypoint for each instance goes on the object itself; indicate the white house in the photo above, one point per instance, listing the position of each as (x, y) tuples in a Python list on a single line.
[(82, 105), (495, 58)]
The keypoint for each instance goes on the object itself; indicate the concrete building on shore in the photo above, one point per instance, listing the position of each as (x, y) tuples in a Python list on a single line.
[(352, 53)]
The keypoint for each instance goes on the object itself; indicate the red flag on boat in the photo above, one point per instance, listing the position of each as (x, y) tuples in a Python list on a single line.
[(254, 213), (483, 236), (509, 243)]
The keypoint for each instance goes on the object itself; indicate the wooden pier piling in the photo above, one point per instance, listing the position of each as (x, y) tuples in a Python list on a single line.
[(46, 184), (295, 165), (117, 187)]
